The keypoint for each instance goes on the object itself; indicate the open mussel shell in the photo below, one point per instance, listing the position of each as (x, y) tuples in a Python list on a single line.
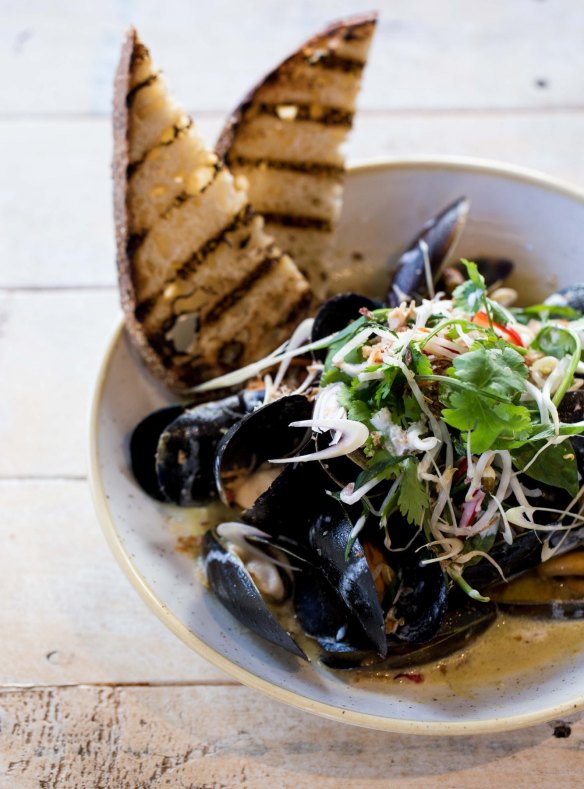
[(337, 313), (552, 590), (234, 587), (421, 604), (258, 437), (462, 622), (438, 239), (289, 504), (143, 444), (186, 450), (522, 554), (351, 576), (494, 270)]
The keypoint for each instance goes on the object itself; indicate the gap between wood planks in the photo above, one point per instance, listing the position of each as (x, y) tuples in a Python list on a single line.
[(222, 115), (203, 683)]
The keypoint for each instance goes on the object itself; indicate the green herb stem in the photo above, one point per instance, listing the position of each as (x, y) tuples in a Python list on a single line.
[(467, 588), (569, 377), (443, 325), (462, 385)]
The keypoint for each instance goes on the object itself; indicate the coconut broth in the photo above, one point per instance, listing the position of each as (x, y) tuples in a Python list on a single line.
[(510, 647)]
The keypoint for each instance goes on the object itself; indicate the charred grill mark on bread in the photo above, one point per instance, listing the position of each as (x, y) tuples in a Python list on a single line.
[(177, 132), (190, 266), (243, 218), (140, 86), (137, 239), (303, 108), (315, 113), (297, 310), (330, 60), (310, 168), (300, 221), (229, 299)]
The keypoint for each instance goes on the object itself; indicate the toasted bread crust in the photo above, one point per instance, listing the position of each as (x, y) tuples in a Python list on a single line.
[(131, 48), (154, 254), (286, 138), (358, 25)]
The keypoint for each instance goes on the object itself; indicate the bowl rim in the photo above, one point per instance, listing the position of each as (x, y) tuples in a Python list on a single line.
[(293, 698)]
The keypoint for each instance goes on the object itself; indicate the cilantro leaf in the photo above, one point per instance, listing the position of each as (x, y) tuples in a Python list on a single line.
[(499, 371), (419, 363), (556, 465), (413, 498), (554, 341), (486, 420), (471, 294), (333, 376), (487, 373), (544, 312), (478, 542)]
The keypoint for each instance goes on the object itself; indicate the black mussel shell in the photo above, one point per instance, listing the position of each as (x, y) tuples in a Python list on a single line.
[(571, 409), (258, 437), (422, 600), (234, 588), (320, 610), (494, 270), (345, 655), (571, 296), (463, 621), (523, 553), (328, 537), (291, 502), (186, 451), (143, 444), (440, 234), (553, 590), (336, 313)]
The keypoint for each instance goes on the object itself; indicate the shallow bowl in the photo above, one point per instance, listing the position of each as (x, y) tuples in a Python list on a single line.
[(524, 216)]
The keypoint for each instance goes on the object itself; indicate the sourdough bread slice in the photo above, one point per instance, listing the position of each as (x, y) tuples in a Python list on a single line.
[(203, 287), (286, 139)]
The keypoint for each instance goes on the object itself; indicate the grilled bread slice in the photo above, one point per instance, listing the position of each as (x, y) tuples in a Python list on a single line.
[(203, 287), (286, 139)]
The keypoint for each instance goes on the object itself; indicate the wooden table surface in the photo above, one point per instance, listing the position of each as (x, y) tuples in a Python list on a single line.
[(94, 692)]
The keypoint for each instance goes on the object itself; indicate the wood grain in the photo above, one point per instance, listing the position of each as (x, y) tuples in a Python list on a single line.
[(51, 344), (107, 697), (483, 54), (71, 614), (141, 738)]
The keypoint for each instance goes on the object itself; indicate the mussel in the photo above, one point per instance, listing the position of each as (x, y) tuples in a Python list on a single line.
[(143, 445), (554, 589), (182, 455), (570, 296), (367, 590), (227, 566), (338, 312), (430, 249)]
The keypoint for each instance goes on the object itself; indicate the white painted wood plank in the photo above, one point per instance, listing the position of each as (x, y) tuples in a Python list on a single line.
[(51, 345), (231, 737), (68, 614), (56, 225), (60, 56)]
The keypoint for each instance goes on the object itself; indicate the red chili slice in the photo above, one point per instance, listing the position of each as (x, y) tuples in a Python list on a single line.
[(506, 332)]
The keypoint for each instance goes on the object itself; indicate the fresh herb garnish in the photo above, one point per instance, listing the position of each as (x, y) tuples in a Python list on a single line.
[(413, 500), (555, 466)]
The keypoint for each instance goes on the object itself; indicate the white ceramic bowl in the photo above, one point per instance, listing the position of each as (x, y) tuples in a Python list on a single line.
[(516, 214)]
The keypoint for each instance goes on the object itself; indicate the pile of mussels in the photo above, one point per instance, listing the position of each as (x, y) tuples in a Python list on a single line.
[(288, 540)]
